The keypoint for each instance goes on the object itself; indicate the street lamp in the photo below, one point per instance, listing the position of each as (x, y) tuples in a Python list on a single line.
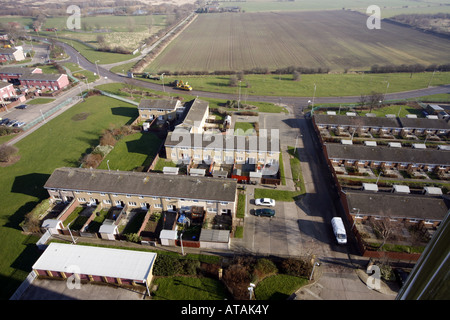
[(250, 289), (107, 163), (312, 272), (162, 78), (68, 228), (96, 65), (354, 220), (181, 241)]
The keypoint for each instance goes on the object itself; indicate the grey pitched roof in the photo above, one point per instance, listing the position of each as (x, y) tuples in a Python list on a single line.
[(196, 112), (387, 154), (424, 123), (357, 121), (142, 183), (222, 142), (157, 104), (211, 235), (16, 70), (395, 205), (41, 76)]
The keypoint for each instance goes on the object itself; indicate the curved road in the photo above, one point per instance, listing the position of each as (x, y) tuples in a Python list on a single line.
[(84, 63)]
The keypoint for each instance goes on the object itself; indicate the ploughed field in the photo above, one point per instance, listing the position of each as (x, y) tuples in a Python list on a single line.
[(337, 40)]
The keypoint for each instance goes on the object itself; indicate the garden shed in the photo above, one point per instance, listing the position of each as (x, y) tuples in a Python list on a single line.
[(215, 239)]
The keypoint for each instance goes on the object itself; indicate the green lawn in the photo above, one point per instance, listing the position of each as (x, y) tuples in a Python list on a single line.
[(189, 288), (241, 206), (214, 104), (244, 128), (296, 170), (278, 287), (327, 85), (40, 101), (93, 55), (131, 152), (163, 163), (60, 142), (400, 111), (278, 195)]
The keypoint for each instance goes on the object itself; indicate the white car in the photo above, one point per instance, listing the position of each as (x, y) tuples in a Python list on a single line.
[(265, 202)]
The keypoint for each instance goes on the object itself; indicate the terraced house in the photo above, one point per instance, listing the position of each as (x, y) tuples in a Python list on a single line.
[(220, 148), (145, 190), (162, 110)]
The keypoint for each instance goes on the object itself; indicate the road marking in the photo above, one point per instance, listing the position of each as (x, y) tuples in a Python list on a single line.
[(313, 294)]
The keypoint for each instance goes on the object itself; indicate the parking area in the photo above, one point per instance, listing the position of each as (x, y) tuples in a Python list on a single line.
[(42, 289)]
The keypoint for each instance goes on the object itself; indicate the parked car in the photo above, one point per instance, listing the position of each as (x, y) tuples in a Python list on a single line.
[(4, 121), (265, 202), (12, 122), (265, 212), (22, 106), (19, 124), (401, 276)]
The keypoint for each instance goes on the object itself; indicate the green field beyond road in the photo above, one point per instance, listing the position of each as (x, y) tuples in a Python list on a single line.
[(327, 85)]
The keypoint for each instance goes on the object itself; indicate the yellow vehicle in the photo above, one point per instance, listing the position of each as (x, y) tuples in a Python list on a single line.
[(6, 46), (181, 85)]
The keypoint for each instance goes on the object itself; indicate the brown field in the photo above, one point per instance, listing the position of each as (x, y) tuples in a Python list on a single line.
[(329, 39)]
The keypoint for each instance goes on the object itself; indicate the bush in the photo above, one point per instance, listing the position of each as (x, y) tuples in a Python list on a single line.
[(6, 152), (133, 237), (237, 278), (92, 160), (108, 139), (167, 266), (190, 267), (296, 267), (265, 267)]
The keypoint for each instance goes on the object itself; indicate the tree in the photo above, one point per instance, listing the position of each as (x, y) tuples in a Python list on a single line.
[(6, 152), (362, 100), (296, 75), (383, 228), (375, 99)]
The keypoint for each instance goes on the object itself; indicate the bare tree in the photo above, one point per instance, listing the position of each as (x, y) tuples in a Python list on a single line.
[(375, 99), (6, 152), (384, 228)]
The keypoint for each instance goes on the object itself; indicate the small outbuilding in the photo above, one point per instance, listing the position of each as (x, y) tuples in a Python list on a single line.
[(96, 264)]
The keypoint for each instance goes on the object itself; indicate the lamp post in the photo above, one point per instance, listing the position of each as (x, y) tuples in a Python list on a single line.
[(68, 228), (250, 289), (314, 95), (312, 272), (354, 220), (181, 241), (107, 163), (162, 78), (96, 66)]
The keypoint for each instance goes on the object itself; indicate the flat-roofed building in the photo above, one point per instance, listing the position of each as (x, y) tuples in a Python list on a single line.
[(96, 264)]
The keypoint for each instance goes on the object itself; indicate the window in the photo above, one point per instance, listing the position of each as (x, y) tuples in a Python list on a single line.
[(170, 207), (144, 115), (224, 203), (103, 194), (212, 210), (141, 197), (106, 201), (158, 205), (118, 203), (128, 196), (82, 199), (89, 193), (223, 211), (114, 195), (132, 203)]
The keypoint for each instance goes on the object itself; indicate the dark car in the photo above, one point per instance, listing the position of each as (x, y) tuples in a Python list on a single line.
[(401, 276), (265, 212), (4, 121), (23, 106)]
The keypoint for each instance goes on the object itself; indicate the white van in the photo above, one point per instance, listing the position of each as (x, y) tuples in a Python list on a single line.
[(339, 230)]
